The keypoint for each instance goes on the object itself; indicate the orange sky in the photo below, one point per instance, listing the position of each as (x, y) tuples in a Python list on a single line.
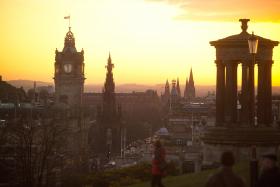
[(149, 40)]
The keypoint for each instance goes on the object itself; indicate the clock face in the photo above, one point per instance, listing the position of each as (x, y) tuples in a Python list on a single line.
[(67, 68)]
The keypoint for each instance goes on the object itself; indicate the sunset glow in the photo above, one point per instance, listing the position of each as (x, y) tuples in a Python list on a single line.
[(149, 41)]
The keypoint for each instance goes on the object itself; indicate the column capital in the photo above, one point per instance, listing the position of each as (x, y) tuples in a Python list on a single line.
[(265, 62), (248, 63), (232, 63), (219, 62)]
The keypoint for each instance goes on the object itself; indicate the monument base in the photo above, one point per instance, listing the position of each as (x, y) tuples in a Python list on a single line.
[(239, 140)]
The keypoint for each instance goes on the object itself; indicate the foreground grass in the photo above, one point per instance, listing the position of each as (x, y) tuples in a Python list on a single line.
[(198, 179)]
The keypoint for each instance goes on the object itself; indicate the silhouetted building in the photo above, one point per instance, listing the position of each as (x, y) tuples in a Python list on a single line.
[(69, 73), (9, 93), (189, 93), (68, 106)]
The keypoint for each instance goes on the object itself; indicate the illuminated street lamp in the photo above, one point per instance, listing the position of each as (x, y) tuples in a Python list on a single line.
[(253, 44), (253, 48)]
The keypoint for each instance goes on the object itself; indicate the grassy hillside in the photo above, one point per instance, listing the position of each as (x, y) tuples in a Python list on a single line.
[(198, 179)]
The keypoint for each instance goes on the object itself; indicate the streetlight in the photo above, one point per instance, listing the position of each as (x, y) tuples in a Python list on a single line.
[(253, 45), (253, 48)]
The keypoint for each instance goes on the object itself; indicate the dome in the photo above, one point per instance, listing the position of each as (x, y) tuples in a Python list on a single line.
[(162, 132)]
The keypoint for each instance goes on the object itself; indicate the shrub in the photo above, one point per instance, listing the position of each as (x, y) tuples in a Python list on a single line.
[(121, 177)]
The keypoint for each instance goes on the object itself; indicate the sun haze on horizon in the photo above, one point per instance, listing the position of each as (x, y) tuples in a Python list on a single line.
[(149, 40)]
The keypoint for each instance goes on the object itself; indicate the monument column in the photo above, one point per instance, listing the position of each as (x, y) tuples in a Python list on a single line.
[(231, 92), (251, 94), (261, 94), (244, 94), (269, 94), (220, 93), (264, 110)]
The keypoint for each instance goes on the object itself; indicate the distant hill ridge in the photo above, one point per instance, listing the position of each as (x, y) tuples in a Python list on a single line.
[(200, 89)]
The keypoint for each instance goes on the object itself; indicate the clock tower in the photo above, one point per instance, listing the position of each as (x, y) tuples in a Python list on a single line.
[(69, 73)]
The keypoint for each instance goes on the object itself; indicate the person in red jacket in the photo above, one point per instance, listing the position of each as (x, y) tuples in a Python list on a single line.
[(158, 165)]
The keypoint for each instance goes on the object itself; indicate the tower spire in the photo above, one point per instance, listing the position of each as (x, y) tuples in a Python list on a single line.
[(178, 88), (109, 104), (186, 92), (109, 58), (191, 88), (167, 89), (191, 82)]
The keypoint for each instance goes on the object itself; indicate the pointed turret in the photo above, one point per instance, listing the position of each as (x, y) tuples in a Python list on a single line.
[(191, 82), (178, 88), (167, 89), (186, 92), (191, 87)]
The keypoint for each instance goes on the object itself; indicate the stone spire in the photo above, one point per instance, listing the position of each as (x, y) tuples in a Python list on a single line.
[(167, 89), (191, 87), (109, 101), (191, 82), (186, 92), (178, 88)]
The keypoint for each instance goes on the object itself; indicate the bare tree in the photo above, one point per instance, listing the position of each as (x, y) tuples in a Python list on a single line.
[(38, 148)]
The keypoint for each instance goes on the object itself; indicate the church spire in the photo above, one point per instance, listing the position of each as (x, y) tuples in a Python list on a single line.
[(186, 92), (191, 82), (191, 88), (178, 88), (167, 89)]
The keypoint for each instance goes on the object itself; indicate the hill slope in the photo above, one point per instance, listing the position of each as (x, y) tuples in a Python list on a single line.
[(198, 179)]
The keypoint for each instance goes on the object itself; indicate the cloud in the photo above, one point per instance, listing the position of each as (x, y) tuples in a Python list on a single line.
[(226, 10)]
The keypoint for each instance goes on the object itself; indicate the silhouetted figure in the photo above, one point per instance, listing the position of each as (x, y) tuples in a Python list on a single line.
[(158, 165), (225, 177), (270, 176)]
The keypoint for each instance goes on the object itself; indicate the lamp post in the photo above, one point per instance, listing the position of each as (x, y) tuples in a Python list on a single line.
[(253, 48), (253, 44)]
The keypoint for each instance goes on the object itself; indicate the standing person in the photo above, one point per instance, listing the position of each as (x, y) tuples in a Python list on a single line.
[(158, 165), (270, 176), (225, 177)]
